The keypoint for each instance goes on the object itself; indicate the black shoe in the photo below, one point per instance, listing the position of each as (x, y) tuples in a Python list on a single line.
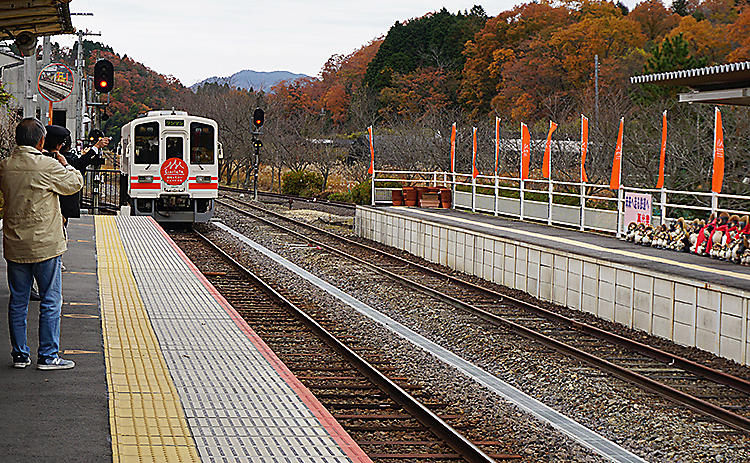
[(21, 362), (34, 296)]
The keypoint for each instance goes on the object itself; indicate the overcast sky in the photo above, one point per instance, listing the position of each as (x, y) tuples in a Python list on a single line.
[(192, 39)]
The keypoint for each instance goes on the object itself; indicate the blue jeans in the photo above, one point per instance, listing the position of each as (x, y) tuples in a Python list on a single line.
[(49, 279)]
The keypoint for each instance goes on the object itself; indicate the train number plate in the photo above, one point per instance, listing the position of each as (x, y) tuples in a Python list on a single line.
[(174, 188)]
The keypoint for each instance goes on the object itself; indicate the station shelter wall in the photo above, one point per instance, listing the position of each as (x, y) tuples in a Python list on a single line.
[(688, 312)]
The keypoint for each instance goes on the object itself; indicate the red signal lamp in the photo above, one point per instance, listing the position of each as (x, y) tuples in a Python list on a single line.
[(104, 76), (258, 116)]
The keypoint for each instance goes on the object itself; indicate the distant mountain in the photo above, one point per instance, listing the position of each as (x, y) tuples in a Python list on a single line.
[(257, 80)]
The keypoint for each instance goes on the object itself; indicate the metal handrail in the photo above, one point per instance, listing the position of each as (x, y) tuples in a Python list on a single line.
[(660, 197)]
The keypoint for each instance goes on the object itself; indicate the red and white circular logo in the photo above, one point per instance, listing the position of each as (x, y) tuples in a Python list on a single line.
[(174, 171)]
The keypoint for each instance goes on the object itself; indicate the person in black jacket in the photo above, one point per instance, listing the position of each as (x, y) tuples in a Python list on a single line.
[(70, 206)]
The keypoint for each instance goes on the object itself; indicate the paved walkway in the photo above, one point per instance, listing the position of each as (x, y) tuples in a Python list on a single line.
[(594, 245)]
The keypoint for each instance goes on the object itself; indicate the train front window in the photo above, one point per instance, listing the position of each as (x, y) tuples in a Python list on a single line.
[(201, 143), (146, 143), (174, 147)]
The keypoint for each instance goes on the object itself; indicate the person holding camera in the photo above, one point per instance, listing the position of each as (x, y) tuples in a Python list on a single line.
[(33, 240), (58, 141)]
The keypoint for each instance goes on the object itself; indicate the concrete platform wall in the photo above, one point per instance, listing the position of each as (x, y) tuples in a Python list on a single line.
[(688, 312)]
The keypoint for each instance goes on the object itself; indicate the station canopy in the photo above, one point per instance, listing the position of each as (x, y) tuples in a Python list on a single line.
[(40, 17), (723, 84)]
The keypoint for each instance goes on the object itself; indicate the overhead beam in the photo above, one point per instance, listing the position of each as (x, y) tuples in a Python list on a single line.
[(734, 96)]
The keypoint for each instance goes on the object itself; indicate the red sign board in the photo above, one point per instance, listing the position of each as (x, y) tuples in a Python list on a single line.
[(174, 171)]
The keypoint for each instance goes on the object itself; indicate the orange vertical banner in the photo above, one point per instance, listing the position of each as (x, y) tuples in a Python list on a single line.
[(718, 177), (474, 170), (371, 170), (614, 182), (453, 147), (660, 182), (525, 151), (497, 143), (547, 161), (584, 146)]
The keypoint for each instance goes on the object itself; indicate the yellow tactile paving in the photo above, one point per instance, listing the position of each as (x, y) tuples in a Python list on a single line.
[(146, 418)]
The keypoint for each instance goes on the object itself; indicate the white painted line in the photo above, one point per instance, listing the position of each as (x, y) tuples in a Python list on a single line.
[(582, 244), (568, 426)]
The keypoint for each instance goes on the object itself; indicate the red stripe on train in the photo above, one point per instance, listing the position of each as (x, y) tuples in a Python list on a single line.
[(145, 186), (203, 186)]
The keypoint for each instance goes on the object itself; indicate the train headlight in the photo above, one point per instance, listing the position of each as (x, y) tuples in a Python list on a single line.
[(145, 179), (203, 179)]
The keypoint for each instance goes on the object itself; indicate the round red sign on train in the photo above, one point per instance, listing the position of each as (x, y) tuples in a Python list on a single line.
[(174, 171)]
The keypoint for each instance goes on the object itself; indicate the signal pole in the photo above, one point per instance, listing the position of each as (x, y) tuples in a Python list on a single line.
[(258, 118)]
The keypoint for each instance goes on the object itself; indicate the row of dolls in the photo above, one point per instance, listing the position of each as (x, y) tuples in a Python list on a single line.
[(721, 237)]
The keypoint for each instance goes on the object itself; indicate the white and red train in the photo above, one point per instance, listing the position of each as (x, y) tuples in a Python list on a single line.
[(169, 166)]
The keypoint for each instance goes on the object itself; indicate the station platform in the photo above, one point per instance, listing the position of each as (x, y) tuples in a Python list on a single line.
[(692, 300), (166, 370)]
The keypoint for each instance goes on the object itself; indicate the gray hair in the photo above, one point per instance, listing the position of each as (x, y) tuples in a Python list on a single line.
[(29, 132)]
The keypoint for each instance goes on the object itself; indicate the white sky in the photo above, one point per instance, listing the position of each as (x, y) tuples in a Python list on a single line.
[(194, 39)]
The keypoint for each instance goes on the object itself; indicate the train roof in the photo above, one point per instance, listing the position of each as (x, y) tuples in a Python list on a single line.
[(161, 115), (164, 112)]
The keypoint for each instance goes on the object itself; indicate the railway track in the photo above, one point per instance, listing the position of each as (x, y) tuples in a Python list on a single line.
[(708, 391), (390, 418)]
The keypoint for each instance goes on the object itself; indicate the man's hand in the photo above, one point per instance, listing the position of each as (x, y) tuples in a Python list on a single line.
[(61, 159), (104, 141)]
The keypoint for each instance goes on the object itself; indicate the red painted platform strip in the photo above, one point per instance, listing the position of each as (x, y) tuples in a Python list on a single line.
[(339, 435)]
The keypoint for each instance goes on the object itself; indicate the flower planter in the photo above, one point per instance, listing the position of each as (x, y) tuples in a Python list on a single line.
[(411, 196), (397, 197), (445, 198)]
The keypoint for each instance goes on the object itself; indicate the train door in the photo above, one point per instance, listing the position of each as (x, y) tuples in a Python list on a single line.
[(174, 170)]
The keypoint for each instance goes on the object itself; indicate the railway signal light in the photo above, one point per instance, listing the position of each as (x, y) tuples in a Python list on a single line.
[(258, 116), (104, 76)]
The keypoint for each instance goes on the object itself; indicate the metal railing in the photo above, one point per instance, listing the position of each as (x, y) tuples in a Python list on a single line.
[(101, 191), (584, 206)]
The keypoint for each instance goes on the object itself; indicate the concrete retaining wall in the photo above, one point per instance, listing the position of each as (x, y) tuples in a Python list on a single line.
[(688, 312)]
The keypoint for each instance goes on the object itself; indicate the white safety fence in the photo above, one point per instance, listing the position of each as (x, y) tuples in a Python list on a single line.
[(585, 206)]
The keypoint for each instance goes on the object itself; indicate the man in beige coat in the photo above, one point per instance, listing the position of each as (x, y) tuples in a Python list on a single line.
[(33, 240)]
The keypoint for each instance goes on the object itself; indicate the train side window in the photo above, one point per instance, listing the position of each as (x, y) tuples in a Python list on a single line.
[(174, 147), (146, 143), (201, 143)]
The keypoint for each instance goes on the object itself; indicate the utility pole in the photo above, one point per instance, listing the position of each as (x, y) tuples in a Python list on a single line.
[(80, 81), (596, 96), (29, 77), (46, 51)]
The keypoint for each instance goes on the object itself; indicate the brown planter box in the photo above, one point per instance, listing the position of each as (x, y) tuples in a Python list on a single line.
[(397, 197), (430, 200), (411, 196), (445, 198)]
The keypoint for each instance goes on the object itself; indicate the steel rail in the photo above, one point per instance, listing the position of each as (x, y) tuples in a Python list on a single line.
[(694, 403), (465, 448)]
